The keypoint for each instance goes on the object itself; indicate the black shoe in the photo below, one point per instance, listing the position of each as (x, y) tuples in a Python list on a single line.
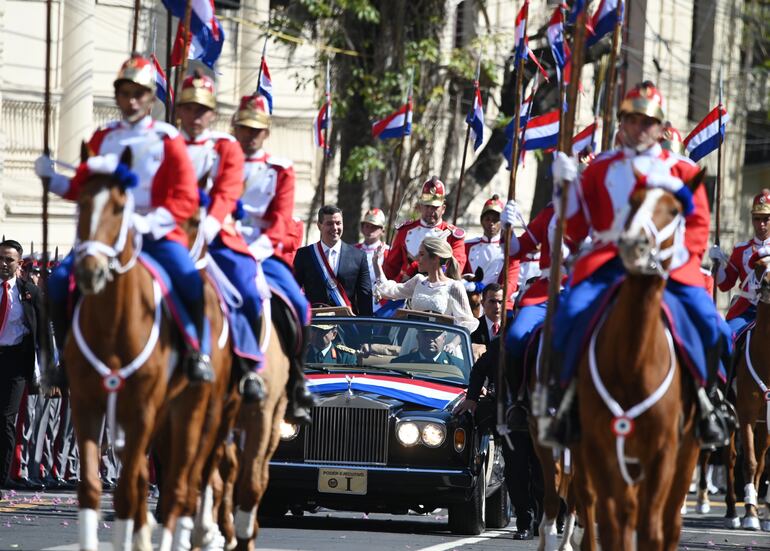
[(303, 397), (24, 485), (54, 483), (198, 368), (712, 431), (252, 388), (298, 415), (525, 534), (561, 426)]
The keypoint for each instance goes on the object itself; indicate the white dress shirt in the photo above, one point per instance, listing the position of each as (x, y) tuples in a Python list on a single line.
[(333, 254), (15, 328)]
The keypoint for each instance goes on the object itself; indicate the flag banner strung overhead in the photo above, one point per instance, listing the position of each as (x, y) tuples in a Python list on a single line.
[(520, 33), (584, 139), (206, 35), (604, 20), (322, 121), (542, 132), (161, 84), (394, 125), (266, 85), (475, 118), (707, 136)]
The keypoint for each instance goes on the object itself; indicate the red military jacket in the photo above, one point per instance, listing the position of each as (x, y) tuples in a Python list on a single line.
[(401, 263), (536, 236), (160, 161), (218, 159), (487, 254), (737, 269), (268, 201), (604, 190)]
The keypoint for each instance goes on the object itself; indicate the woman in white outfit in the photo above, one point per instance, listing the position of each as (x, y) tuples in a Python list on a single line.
[(433, 289)]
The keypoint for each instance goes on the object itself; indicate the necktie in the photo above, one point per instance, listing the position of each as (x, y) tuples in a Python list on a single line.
[(5, 305), (495, 329)]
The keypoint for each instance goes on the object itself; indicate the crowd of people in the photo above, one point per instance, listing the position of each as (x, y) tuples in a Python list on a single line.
[(246, 204)]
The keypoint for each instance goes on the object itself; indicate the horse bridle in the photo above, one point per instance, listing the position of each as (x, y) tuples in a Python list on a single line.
[(92, 247)]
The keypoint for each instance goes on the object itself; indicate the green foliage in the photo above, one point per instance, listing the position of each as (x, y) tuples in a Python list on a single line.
[(362, 159)]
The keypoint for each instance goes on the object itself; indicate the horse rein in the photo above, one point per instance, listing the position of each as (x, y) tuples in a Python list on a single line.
[(755, 285), (623, 422), (93, 247)]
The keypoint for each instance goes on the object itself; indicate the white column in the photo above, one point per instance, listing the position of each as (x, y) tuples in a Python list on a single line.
[(77, 70)]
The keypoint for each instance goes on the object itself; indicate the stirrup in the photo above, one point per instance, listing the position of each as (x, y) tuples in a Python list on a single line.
[(198, 368), (252, 388)]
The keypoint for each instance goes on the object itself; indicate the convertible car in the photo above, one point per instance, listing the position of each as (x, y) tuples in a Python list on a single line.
[(383, 437)]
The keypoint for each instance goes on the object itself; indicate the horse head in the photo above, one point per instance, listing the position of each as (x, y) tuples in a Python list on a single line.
[(760, 264), (655, 222), (104, 215)]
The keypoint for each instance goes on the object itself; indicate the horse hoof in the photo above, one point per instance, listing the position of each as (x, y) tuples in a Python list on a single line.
[(232, 544), (217, 542), (683, 510), (703, 508), (732, 523), (750, 523), (765, 525), (577, 537)]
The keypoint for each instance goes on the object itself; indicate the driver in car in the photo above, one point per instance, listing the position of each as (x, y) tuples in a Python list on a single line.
[(324, 350), (430, 350)]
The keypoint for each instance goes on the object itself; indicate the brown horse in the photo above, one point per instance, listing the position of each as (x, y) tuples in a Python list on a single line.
[(752, 377), (637, 410), (120, 360)]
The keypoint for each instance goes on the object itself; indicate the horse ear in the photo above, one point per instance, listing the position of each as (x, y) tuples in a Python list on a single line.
[(479, 275), (85, 152), (696, 180), (127, 157)]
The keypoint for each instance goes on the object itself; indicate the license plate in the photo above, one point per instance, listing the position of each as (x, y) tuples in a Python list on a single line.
[(342, 481)]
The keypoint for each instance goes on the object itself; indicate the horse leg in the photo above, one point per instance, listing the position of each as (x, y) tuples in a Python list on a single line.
[(571, 522), (761, 444), (703, 506), (552, 473), (88, 427), (750, 520), (228, 471), (144, 521), (685, 464), (729, 458), (275, 438)]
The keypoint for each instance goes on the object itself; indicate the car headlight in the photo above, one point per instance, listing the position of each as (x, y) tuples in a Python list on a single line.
[(289, 431), (433, 435), (408, 433)]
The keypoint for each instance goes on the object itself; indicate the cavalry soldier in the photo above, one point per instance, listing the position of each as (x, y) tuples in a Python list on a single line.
[(372, 228), (485, 252), (401, 263), (165, 197), (269, 229), (218, 161), (743, 309), (601, 195)]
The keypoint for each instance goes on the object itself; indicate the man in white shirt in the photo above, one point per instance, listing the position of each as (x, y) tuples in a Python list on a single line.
[(331, 272), (21, 327)]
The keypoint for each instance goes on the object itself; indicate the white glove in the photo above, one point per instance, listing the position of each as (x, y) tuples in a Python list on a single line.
[(565, 168), (44, 167), (157, 223), (511, 213), (210, 228), (470, 286), (718, 255), (657, 173)]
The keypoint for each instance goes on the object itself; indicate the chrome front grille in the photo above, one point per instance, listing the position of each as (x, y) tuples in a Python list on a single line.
[(343, 434)]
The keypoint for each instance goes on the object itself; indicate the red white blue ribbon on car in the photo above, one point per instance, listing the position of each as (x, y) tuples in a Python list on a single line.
[(423, 393), (707, 136)]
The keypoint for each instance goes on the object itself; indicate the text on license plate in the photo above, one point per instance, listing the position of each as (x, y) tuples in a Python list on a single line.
[(342, 481)]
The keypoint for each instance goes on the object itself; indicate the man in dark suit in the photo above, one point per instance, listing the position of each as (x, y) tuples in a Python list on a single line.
[(332, 272), (430, 350), (21, 331), (489, 323), (324, 350)]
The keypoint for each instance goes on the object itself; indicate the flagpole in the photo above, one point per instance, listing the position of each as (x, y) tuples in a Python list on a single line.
[(465, 147), (718, 183), (502, 427), (597, 107), (181, 72), (169, 30), (135, 35), (394, 197), (609, 98), (261, 63), (324, 161), (565, 145), (44, 348)]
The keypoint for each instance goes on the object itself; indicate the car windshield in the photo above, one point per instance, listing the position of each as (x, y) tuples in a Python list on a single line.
[(406, 348)]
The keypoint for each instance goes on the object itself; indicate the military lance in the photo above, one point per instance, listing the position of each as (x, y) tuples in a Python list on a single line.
[(394, 199), (506, 237), (135, 34), (45, 351), (465, 147), (566, 131), (718, 183), (185, 50), (610, 89)]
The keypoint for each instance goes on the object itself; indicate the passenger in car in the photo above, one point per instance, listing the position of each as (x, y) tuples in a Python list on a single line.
[(324, 350), (430, 350)]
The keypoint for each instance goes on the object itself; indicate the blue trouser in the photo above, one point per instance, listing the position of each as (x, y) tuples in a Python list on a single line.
[(241, 270), (282, 282), (520, 331), (739, 323), (58, 281)]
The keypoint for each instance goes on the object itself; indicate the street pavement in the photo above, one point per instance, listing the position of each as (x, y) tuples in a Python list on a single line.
[(49, 521)]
